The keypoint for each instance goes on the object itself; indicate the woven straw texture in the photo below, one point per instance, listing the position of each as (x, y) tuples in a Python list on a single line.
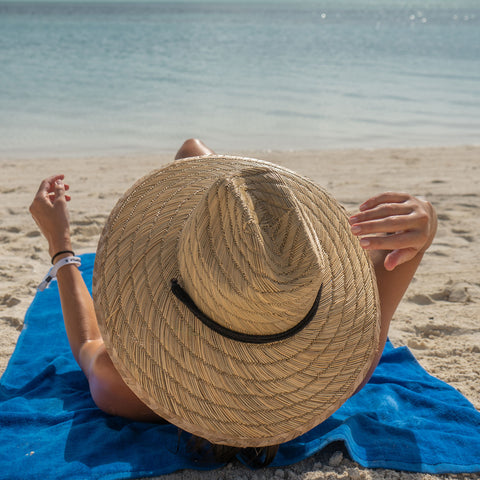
[(251, 243)]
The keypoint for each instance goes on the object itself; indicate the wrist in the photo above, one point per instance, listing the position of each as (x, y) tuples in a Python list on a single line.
[(59, 245), (52, 273), (60, 255)]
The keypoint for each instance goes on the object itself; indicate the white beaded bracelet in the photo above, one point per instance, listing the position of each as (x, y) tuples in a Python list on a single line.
[(52, 273)]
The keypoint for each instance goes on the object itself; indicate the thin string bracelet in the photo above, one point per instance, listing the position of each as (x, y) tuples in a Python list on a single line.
[(52, 273), (60, 253)]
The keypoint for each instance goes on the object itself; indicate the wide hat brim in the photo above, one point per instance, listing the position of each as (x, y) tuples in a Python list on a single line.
[(229, 392)]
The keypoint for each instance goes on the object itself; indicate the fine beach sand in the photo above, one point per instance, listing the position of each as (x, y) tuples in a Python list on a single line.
[(438, 318)]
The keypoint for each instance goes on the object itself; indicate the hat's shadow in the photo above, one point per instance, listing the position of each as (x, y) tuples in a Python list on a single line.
[(96, 439)]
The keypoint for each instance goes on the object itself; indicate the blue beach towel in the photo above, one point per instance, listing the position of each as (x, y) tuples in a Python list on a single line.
[(50, 428)]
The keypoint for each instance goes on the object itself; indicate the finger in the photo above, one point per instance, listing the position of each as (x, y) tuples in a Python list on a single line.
[(387, 197), (48, 185), (52, 194), (397, 257), (43, 194), (393, 224), (52, 185), (59, 190), (401, 240), (381, 211)]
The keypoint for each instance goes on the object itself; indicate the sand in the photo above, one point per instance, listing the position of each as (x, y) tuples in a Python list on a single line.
[(438, 318)]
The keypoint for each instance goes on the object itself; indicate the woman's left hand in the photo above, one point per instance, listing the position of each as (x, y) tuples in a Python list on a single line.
[(398, 222)]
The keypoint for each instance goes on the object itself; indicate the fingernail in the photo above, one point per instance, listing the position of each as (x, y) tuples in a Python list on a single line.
[(356, 229), (353, 220), (59, 182), (364, 242)]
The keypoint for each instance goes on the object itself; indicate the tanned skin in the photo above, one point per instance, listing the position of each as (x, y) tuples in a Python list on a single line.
[(394, 228)]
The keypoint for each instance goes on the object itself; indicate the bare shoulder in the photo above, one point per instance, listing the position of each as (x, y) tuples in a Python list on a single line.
[(109, 392)]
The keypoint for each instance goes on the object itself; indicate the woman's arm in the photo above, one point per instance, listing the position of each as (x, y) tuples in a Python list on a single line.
[(50, 212), (396, 229), (109, 391)]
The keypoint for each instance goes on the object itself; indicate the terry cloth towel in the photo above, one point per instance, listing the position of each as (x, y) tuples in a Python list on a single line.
[(50, 428)]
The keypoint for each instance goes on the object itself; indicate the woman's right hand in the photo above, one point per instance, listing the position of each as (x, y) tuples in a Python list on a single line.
[(50, 212)]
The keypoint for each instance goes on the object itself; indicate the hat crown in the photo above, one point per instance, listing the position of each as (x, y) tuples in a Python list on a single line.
[(249, 256)]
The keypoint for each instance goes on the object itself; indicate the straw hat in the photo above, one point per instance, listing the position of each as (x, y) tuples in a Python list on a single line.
[(234, 301)]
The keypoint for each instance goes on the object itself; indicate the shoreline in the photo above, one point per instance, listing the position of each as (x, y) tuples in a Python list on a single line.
[(29, 155), (437, 319)]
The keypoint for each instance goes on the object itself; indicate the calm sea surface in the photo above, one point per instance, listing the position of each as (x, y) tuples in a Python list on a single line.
[(123, 77)]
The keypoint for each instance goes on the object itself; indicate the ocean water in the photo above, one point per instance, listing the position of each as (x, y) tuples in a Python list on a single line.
[(122, 77)]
